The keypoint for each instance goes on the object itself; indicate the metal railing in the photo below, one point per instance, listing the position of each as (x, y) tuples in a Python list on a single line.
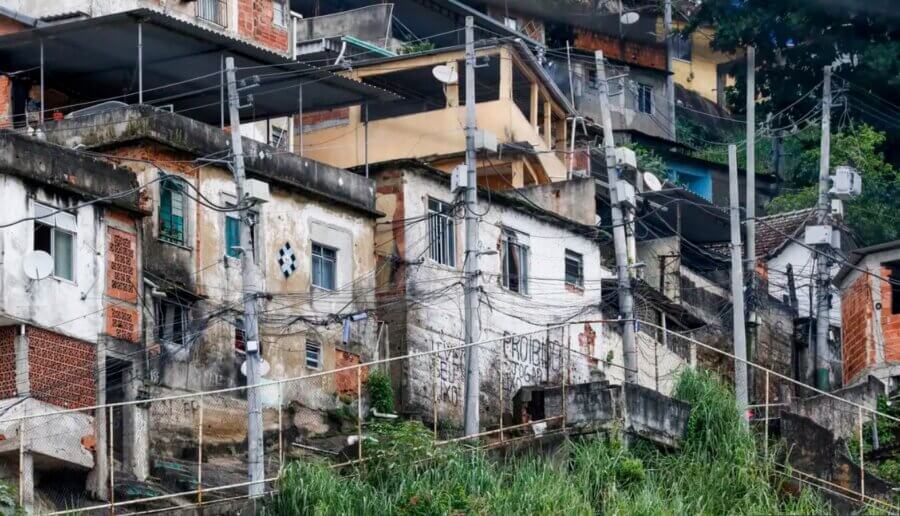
[(192, 448)]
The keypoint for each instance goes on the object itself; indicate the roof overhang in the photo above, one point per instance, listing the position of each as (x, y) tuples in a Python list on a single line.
[(181, 64)]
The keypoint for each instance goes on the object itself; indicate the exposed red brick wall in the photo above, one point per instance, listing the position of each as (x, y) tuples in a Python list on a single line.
[(121, 265), (629, 51), (7, 361), (856, 313), (345, 381), (890, 323), (61, 369), (9, 26), (123, 322), (255, 22)]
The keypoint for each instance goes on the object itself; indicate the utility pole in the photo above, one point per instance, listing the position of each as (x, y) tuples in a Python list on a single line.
[(750, 208), (737, 288), (626, 303), (823, 276), (670, 78), (250, 290), (473, 376)]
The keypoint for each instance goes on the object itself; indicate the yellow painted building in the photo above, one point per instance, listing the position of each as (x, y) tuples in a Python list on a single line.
[(699, 68)]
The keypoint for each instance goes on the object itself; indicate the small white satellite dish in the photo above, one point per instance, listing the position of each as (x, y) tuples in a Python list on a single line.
[(37, 265), (264, 368), (652, 182), (629, 18), (445, 74)]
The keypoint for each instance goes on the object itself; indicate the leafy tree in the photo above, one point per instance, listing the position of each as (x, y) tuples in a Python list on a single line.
[(875, 215)]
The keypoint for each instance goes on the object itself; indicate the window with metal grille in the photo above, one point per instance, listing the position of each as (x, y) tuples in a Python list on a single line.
[(574, 269), (313, 355), (171, 211), (441, 233), (212, 11), (55, 234), (644, 98), (515, 262), (324, 267)]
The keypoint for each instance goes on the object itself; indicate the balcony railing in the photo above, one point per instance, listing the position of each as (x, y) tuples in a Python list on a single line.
[(213, 11)]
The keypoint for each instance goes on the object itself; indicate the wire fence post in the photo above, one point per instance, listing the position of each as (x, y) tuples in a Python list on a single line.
[(359, 413), (112, 465), (862, 465), (434, 395), (280, 429), (22, 462), (200, 454), (502, 363), (766, 421), (565, 376)]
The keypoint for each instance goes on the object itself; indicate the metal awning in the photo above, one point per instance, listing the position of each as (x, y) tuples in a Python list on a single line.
[(145, 55)]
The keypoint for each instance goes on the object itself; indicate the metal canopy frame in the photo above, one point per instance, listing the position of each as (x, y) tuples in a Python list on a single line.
[(144, 56)]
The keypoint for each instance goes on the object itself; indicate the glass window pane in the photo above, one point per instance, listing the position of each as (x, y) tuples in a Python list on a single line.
[(63, 255), (232, 237)]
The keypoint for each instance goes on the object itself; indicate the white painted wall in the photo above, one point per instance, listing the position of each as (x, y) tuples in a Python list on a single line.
[(803, 262), (73, 308)]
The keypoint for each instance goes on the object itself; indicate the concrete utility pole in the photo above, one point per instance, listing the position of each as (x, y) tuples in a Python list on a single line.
[(737, 288), (823, 276), (670, 78), (626, 303), (473, 376), (250, 290), (750, 208)]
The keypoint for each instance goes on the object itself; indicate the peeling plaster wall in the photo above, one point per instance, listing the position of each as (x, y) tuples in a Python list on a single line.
[(434, 304)]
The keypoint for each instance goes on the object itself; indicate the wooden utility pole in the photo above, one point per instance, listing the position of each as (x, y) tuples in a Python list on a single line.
[(737, 288), (250, 291), (626, 302)]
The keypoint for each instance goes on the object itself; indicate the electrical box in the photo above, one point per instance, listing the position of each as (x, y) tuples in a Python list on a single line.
[(459, 178), (625, 193), (837, 208), (846, 183), (257, 191), (626, 157), (485, 141), (818, 235)]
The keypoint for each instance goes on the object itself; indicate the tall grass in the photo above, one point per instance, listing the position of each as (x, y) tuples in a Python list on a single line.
[(716, 471)]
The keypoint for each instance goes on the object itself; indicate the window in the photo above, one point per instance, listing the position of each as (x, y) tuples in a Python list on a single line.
[(171, 211), (171, 322), (324, 267), (279, 13), (895, 287), (313, 355), (574, 269), (279, 138), (644, 98), (441, 233), (681, 47), (511, 23), (515, 262), (232, 236), (54, 233), (240, 344), (212, 11)]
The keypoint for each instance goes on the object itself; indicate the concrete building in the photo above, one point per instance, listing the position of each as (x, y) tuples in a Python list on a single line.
[(539, 268), (870, 310), (63, 328), (312, 241), (517, 103)]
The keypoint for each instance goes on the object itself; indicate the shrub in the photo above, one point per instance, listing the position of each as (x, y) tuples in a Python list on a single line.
[(380, 391)]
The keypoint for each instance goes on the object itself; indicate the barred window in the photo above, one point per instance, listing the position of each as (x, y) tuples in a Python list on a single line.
[(441, 232)]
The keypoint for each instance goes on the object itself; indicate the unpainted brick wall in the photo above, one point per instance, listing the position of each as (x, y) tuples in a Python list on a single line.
[(856, 314), (255, 22), (623, 50), (61, 369), (7, 361)]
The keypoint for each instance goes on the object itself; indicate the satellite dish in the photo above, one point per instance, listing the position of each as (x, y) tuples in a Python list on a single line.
[(652, 182), (445, 74), (629, 18), (264, 368), (37, 265)]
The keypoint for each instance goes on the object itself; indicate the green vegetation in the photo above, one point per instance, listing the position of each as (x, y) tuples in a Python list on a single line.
[(716, 471), (415, 47), (380, 391), (886, 467)]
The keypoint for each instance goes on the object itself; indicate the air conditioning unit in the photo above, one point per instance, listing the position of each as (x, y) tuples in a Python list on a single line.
[(846, 183), (626, 158), (485, 141), (256, 190), (625, 193)]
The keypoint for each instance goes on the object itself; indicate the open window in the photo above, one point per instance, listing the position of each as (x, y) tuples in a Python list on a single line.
[(644, 98), (172, 321), (55, 234), (441, 233), (515, 261), (894, 276), (172, 202)]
